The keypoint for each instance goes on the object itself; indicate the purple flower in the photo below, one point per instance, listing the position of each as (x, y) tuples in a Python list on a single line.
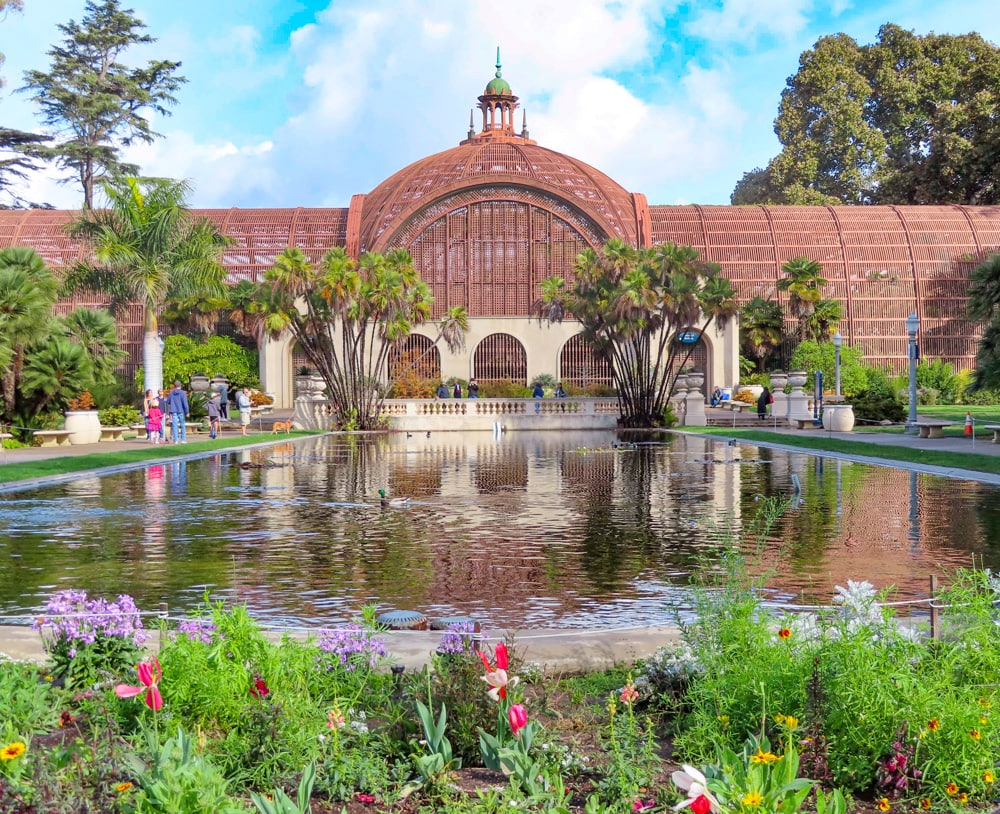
[(195, 630), (72, 618), (351, 646), (459, 638)]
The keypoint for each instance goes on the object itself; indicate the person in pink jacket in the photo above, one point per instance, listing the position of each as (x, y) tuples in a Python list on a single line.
[(154, 422)]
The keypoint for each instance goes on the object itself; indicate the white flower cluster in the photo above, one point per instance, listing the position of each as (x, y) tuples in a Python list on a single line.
[(671, 668)]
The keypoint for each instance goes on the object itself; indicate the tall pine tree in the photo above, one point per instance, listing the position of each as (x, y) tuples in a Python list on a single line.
[(94, 103)]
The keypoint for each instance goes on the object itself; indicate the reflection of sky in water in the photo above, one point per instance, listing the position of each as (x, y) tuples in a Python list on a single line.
[(530, 530)]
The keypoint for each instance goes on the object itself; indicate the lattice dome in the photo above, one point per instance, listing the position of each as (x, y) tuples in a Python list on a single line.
[(389, 207)]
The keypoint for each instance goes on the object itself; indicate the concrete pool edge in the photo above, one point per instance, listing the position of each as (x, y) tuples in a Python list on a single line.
[(564, 650)]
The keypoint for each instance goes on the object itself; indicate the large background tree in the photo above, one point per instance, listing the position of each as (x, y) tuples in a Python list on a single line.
[(145, 247), (347, 315), (907, 120), (631, 302), (94, 103)]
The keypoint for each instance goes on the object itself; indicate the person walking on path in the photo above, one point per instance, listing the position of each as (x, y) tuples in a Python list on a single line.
[(180, 411), (764, 403), (244, 404), (214, 407)]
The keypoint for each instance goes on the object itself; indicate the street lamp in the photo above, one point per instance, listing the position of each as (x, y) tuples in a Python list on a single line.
[(838, 340), (912, 326)]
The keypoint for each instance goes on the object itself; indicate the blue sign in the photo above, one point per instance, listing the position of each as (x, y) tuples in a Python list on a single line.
[(688, 337)]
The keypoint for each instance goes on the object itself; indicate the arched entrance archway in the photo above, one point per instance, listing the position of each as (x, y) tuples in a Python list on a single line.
[(500, 357)]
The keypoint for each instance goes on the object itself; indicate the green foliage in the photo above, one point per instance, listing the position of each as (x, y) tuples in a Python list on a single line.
[(93, 101), (983, 397), (630, 743), (178, 780), (762, 327), (121, 416), (899, 121), (281, 803), (940, 376), (184, 357), (810, 356), (503, 389), (546, 380), (25, 698)]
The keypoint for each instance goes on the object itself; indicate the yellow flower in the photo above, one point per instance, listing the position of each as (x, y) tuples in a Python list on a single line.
[(974, 734), (784, 633), (121, 788), (922, 734), (12, 751), (933, 725), (779, 719), (763, 757), (791, 721), (883, 804), (988, 777), (925, 803), (753, 799), (983, 719), (963, 797), (951, 788), (985, 703)]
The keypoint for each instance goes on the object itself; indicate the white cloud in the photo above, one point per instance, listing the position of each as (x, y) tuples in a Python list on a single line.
[(745, 20)]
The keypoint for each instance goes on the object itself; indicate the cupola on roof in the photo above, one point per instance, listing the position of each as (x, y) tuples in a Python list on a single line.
[(496, 157)]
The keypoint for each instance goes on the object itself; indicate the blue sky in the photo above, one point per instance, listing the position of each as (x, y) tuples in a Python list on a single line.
[(306, 102)]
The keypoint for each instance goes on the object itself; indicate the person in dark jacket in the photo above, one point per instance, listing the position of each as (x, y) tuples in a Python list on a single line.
[(763, 403), (180, 411)]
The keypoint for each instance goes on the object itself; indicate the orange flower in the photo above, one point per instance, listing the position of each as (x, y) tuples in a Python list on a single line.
[(951, 788), (974, 734), (925, 803), (784, 633), (883, 804), (933, 725), (963, 797), (121, 788)]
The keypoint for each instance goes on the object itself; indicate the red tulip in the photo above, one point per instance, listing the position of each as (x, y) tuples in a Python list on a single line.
[(517, 717), (149, 677)]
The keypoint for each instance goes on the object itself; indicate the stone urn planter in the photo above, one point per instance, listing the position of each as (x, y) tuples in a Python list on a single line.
[(310, 387), (200, 384), (84, 426), (838, 417), (778, 382)]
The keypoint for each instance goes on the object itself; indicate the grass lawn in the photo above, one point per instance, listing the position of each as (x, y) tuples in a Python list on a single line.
[(79, 463), (928, 457)]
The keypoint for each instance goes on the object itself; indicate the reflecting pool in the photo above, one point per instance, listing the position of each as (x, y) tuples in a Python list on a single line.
[(528, 530)]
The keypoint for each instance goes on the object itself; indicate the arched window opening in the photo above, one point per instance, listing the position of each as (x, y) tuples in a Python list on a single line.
[(500, 357), (580, 367)]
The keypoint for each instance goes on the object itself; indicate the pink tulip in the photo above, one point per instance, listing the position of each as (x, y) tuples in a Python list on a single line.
[(149, 678), (517, 717)]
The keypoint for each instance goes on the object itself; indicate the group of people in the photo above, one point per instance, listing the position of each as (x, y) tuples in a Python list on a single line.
[(538, 392), (172, 408)]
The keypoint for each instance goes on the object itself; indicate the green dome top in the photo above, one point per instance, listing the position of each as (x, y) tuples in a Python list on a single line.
[(498, 85)]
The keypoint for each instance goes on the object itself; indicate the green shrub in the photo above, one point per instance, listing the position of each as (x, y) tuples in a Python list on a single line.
[(503, 389), (123, 415), (184, 357), (985, 398)]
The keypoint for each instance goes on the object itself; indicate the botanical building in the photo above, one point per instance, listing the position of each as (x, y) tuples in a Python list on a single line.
[(489, 219)]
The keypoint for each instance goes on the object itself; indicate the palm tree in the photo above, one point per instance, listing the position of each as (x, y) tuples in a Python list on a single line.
[(804, 284), (821, 324), (762, 325), (146, 248), (95, 332), (56, 371), (27, 293)]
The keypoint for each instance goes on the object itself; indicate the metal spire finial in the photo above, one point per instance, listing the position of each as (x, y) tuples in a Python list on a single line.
[(498, 62)]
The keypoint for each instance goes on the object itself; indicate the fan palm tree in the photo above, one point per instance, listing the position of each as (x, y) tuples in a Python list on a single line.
[(762, 325), (95, 332), (146, 248), (803, 282), (56, 371), (28, 291)]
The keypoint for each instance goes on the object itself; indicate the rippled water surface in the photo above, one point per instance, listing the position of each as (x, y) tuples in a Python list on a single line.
[(532, 530)]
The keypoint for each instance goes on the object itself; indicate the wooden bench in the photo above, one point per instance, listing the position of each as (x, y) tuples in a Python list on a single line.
[(112, 433), (931, 428), (52, 438), (996, 431)]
